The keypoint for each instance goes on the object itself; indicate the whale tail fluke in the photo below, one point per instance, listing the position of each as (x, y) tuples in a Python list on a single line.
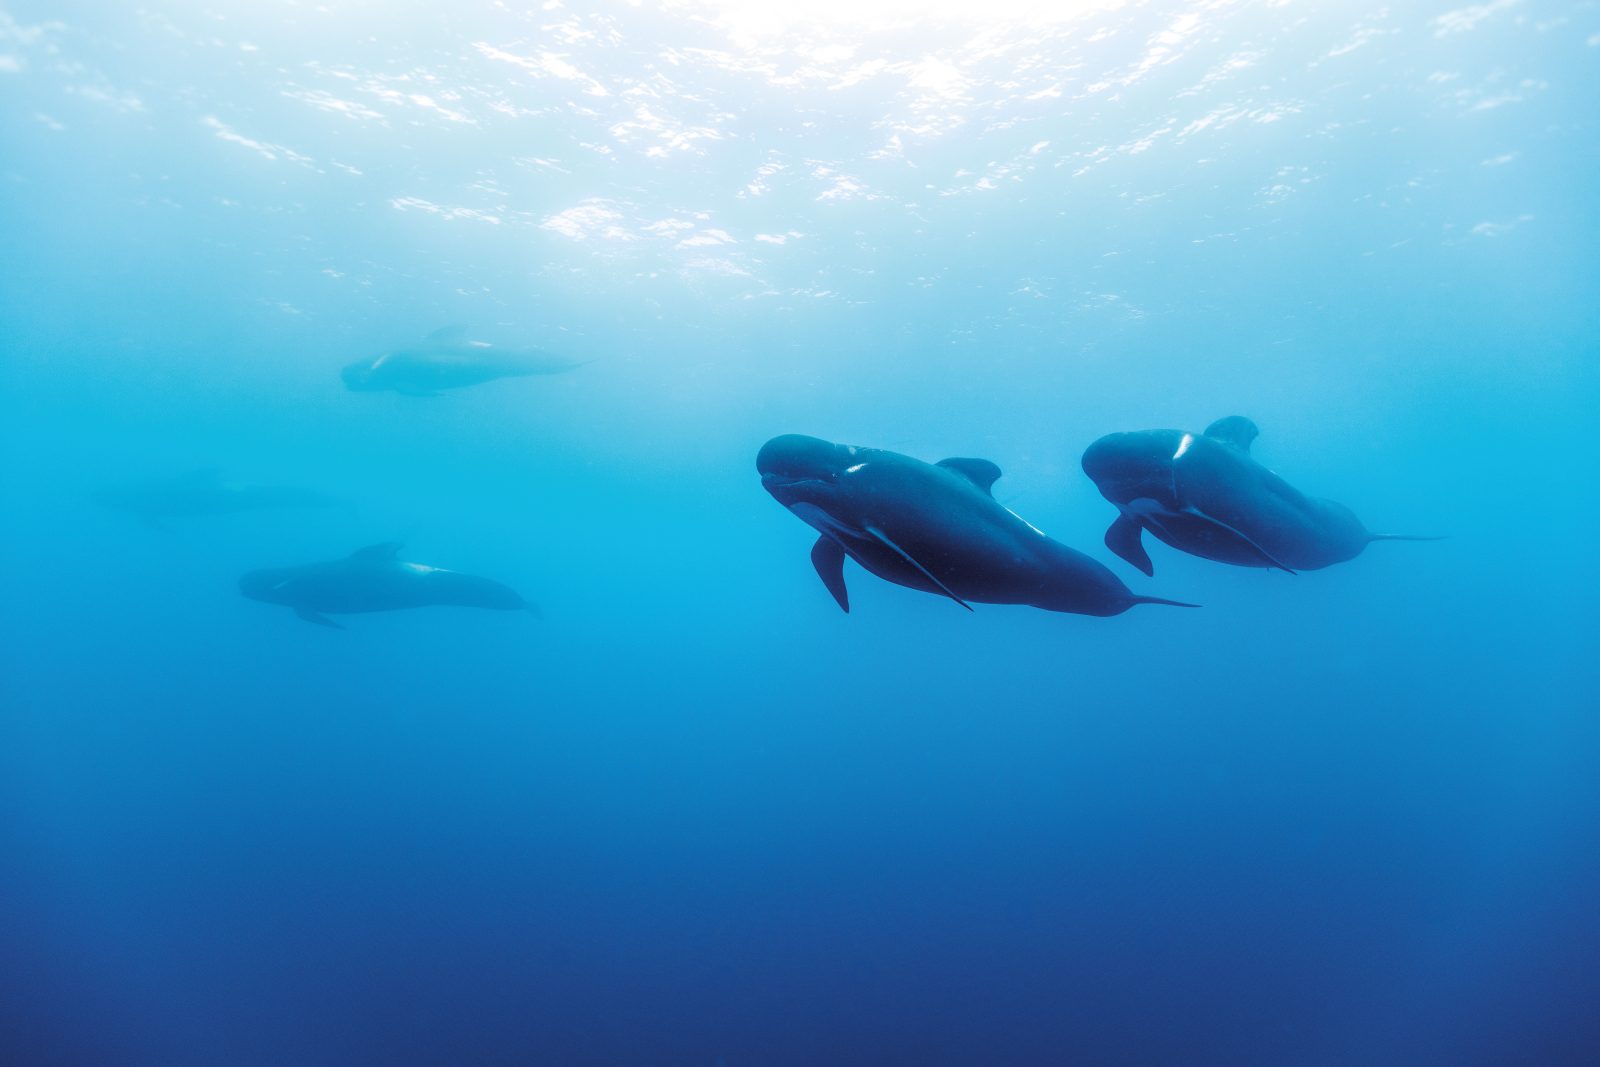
[(1160, 600)]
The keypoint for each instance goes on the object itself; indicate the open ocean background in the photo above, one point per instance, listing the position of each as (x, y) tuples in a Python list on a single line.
[(696, 815)]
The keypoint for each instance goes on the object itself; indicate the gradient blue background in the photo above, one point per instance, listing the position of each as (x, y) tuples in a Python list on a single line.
[(697, 816)]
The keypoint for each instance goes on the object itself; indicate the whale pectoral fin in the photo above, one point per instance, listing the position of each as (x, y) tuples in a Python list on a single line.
[(321, 620), (980, 472), (385, 550), (1266, 557), (903, 554), (1125, 537), (828, 558)]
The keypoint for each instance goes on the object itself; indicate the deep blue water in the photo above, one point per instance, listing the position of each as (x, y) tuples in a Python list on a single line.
[(695, 815)]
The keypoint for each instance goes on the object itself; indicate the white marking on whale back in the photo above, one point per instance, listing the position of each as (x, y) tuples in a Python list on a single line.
[(852, 470), (1025, 522), (418, 568), (1183, 445)]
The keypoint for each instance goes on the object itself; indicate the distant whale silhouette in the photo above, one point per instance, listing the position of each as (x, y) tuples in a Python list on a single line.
[(374, 579), (448, 359), (203, 492), (1205, 495), (933, 527)]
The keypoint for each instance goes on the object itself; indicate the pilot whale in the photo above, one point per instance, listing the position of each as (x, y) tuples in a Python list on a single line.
[(374, 579), (203, 492), (448, 359), (1206, 495), (930, 526)]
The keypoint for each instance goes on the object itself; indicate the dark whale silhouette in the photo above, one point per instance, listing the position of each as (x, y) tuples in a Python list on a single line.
[(1204, 494), (933, 527), (374, 579), (448, 359), (203, 492)]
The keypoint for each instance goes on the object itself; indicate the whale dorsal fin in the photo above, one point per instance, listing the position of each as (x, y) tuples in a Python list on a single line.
[(980, 472), (448, 334), (883, 539), (386, 550), (1235, 430)]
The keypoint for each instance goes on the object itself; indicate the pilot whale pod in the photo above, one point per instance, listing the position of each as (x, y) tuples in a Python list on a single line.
[(375, 579), (448, 359), (1206, 495), (934, 527)]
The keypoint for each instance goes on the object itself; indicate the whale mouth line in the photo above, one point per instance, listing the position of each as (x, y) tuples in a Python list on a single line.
[(772, 480)]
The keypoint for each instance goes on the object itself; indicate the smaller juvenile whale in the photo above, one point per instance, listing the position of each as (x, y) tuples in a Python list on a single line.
[(203, 492), (930, 526), (448, 359), (375, 579), (1204, 494)]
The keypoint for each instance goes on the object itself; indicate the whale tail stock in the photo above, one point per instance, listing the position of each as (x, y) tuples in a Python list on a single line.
[(1405, 537), (1161, 600)]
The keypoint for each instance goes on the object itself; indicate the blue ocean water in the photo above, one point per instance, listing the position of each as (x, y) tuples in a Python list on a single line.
[(695, 815)]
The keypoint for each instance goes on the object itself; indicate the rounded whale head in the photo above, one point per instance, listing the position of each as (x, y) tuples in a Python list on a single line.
[(794, 468), (1125, 466), (361, 376)]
